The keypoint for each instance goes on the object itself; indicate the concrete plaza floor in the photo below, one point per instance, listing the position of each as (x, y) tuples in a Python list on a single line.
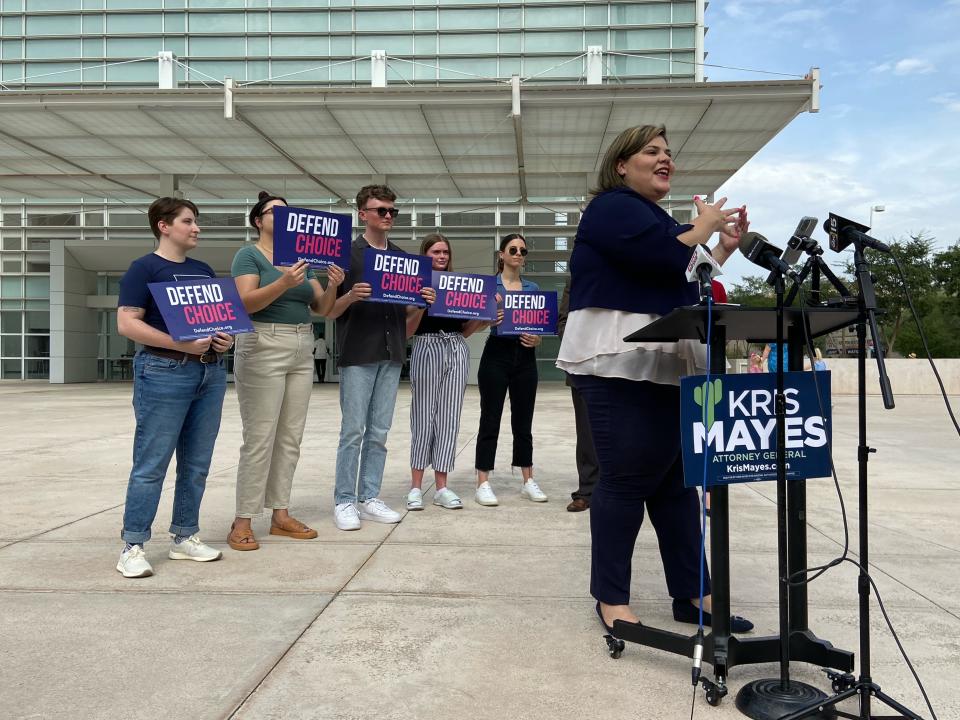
[(476, 613)]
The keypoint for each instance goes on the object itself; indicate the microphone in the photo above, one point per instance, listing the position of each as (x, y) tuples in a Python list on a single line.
[(800, 241), (701, 269), (758, 250), (843, 232)]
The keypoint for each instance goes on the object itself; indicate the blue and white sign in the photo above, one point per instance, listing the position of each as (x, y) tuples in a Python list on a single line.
[(320, 238), (532, 313), (463, 296), (396, 277), (732, 421), (200, 308)]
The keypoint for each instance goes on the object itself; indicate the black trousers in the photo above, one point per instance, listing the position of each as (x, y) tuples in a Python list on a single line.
[(636, 433), (588, 469), (321, 366), (506, 367)]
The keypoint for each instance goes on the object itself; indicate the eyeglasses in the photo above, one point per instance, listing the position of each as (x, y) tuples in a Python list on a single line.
[(383, 212), (268, 211), (521, 250)]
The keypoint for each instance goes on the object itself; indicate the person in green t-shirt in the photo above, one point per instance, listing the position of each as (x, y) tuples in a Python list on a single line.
[(273, 371)]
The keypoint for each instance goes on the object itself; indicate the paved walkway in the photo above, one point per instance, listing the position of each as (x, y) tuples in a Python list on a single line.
[(477, 613)]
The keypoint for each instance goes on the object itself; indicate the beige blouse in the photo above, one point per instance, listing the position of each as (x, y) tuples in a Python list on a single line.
[(593, 345)]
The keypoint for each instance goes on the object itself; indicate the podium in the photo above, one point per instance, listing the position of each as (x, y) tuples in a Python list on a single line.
[(720, 649)]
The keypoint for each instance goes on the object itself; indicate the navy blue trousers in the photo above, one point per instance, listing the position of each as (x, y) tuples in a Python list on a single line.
[(636, 434)]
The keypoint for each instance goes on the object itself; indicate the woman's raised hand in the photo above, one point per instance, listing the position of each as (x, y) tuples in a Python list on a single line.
[(714, 217)]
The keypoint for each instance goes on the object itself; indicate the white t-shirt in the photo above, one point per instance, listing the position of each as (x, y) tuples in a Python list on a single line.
[(320, 349)]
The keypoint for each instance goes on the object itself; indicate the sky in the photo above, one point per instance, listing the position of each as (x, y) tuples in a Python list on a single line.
[(888, 130)]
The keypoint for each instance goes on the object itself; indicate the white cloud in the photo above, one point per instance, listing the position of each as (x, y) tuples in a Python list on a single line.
[(847, 181), (912, 66), (735, 10), (949, 100), (807, 15), (906, 66)]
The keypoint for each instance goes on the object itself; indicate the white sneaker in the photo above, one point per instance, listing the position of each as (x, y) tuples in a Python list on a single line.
[(193, 549), (533, 492), (415, 499), (376, 510), (345, 516), (133, 563), (485, 495), (447, 498)]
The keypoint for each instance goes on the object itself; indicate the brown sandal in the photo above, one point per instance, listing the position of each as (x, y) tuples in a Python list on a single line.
[(293, 528), (242, 539)]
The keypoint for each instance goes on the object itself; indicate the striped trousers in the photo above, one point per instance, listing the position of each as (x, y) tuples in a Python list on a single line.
[(439, 366)]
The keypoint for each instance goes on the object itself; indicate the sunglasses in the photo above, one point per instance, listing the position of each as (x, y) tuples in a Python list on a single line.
[(522, 251), (383, 212)]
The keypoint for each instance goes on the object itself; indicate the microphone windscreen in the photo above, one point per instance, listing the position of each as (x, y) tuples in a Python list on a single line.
[(749, 239)]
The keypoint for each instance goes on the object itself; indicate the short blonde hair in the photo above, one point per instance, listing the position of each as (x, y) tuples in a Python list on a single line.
[(629, 142)]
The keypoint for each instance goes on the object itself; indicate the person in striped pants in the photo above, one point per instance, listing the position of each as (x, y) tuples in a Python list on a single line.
[(439, 366)]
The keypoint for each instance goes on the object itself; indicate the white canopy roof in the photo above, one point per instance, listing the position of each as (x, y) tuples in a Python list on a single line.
[(491, 142)]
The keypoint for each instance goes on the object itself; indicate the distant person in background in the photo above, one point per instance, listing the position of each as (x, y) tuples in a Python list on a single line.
[(818, 362), (588, 469), (756, 363), (320, 357), (771, 356)]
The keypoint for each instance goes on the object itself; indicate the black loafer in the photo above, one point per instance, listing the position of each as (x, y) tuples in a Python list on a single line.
[(602, 621), (686, 612)]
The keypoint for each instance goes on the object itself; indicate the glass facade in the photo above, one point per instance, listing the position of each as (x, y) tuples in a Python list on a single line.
[(24, 299), (114, 43), (77, 43)]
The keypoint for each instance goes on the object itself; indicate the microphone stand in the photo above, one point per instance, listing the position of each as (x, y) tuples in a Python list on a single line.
[(773, 698), (845, 685), (816, 264)]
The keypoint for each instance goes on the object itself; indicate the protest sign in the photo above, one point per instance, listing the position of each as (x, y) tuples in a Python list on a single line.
[(321, 238), (200, 308)]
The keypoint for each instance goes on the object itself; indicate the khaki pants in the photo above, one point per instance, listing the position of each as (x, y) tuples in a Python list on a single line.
[(273, 371)]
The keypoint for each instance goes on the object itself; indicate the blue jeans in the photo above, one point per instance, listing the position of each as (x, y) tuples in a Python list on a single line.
[(368, 394), (177, 406)]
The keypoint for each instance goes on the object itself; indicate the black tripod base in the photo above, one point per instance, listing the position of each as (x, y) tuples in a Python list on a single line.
[(771, 699)]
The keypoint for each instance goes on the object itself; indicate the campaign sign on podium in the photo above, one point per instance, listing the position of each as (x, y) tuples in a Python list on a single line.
[(321, 238), (532, 313), (464, 297), (396, 277), (199, 308), (732, 420)]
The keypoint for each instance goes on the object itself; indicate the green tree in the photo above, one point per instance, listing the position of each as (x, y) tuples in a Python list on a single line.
[(916, 258)]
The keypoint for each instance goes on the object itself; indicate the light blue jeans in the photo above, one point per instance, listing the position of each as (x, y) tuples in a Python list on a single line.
[(368, 394), (177, 405)]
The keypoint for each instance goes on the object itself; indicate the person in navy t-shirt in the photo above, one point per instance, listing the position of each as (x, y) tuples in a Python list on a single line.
[(178, 389)]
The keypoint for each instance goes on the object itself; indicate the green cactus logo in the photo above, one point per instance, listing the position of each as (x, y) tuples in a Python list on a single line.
[(708, 397)]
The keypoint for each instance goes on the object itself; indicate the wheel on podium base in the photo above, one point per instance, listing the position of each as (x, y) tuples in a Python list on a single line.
[(615, 646)]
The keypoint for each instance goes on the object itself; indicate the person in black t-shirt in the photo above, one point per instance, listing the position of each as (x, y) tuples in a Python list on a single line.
[(178, 389), (371, 344), (439, 367)]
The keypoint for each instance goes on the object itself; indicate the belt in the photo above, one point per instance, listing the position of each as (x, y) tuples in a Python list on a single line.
[(207, 358)]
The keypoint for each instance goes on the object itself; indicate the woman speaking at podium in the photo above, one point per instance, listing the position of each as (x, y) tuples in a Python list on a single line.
[(627, 269)]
